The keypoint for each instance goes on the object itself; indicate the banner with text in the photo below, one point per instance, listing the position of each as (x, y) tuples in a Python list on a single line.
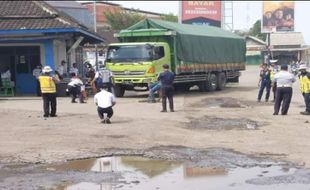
[(278, 16), (201, 12)]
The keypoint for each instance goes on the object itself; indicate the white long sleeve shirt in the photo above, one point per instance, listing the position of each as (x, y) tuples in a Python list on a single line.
[(104, 99)]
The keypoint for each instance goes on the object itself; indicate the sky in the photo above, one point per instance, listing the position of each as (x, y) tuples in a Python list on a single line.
[(246, 13)]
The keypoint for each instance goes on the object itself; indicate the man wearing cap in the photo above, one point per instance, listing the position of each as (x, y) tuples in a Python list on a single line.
[(104, 100), (304, 81), (62, 69), (166, 78), (48, 91), (284, 81)]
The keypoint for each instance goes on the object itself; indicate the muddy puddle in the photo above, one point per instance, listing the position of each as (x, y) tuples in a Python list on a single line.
[(160, 168), (214, 123), (141, 173)]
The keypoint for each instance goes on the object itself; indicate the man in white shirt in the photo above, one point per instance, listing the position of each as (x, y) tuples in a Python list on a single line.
[(61, 68), (74, 69), (105, 77), (105, 101), (284, 81)]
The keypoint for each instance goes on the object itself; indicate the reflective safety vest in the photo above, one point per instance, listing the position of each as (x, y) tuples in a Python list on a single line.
[(47, 84), (304, 82)]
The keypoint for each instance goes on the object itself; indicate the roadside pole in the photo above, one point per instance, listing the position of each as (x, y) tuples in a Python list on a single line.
[(95, 29)]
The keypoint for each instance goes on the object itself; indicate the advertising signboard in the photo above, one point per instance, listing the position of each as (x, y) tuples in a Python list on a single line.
[(201, 12), (278, 16)]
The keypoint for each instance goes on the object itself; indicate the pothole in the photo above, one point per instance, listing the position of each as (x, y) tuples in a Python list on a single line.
[(162, 168), (223, 102), (215, 123)]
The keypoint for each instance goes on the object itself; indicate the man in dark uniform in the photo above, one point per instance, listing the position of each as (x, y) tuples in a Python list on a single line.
[(264, 82), (284, 81), (166, 78)]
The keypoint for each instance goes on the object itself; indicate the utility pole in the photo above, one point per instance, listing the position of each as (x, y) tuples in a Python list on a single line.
[(95, 29)]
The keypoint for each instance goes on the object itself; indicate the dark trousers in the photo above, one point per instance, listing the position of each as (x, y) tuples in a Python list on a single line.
[(267, 85), (167, 92), (108, 111), (49, 100), (307, 101), (284, 96), (75, 92), (38, 88)]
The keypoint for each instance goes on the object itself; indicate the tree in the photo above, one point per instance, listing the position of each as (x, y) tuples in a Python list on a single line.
[(120, 19), (169, 17), (256, 31)]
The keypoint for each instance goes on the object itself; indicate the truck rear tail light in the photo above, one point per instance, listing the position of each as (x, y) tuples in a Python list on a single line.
[(151, 70)]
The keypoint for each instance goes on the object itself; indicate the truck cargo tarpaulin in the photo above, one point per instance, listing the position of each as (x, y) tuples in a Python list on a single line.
[(201, 12), (278, 16)]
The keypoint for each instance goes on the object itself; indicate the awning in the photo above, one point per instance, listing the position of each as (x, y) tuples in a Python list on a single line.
[(89, 37)]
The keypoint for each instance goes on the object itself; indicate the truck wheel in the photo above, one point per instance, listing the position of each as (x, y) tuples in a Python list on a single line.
[(211, 83), (221, 81), (119, 90)]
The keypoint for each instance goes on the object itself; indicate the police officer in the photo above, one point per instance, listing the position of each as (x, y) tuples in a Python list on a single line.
[(304, 81), (264, 82), (48, 91), (166, 78), (284, 81)]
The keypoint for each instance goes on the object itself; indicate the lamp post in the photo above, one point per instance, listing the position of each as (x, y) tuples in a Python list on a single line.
[(95, 29)]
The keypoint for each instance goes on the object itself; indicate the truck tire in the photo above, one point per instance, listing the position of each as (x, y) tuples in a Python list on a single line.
[(211, 84), (119, 90), (221, 81)]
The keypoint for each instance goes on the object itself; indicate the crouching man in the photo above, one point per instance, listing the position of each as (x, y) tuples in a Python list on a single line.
[(105, 101)]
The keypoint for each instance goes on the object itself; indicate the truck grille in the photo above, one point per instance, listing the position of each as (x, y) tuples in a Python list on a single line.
[(121, 73)]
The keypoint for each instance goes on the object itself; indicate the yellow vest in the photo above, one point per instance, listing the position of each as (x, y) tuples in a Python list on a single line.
[(47, 84), (304, 82)]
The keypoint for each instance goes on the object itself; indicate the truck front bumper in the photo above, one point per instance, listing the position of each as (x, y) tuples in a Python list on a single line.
[(135, 81)]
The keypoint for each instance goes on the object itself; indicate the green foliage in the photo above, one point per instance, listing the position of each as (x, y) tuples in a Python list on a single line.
[(256, 31), (169, 17), (120, 19)]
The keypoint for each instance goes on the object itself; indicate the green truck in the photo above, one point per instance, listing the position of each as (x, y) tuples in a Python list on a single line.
[(205, 56)]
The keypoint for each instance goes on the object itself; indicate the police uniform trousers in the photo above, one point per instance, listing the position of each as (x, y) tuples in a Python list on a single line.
[(49, 99), (102, 111), (283, 96), (167, 92), (307, 101)]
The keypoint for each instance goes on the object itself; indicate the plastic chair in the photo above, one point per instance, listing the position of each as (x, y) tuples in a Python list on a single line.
[(7, 88)]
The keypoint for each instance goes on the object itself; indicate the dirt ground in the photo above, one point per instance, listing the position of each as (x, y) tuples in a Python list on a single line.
[(230, 119)]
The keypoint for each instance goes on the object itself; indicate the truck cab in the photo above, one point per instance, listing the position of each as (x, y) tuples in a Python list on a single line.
[(136, 65)]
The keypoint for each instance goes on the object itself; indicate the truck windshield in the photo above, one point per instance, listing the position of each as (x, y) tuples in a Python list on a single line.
[(130, 53)]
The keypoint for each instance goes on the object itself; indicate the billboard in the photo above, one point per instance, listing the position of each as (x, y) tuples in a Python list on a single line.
[(278, 16), (201, 12)]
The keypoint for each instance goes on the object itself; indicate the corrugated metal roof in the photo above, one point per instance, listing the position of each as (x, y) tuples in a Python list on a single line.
[(287, 38)]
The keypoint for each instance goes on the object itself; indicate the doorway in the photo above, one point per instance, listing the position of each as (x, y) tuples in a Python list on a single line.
[(21, 61)]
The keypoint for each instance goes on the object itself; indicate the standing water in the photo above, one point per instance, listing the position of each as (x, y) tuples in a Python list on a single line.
[(145, 174)]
